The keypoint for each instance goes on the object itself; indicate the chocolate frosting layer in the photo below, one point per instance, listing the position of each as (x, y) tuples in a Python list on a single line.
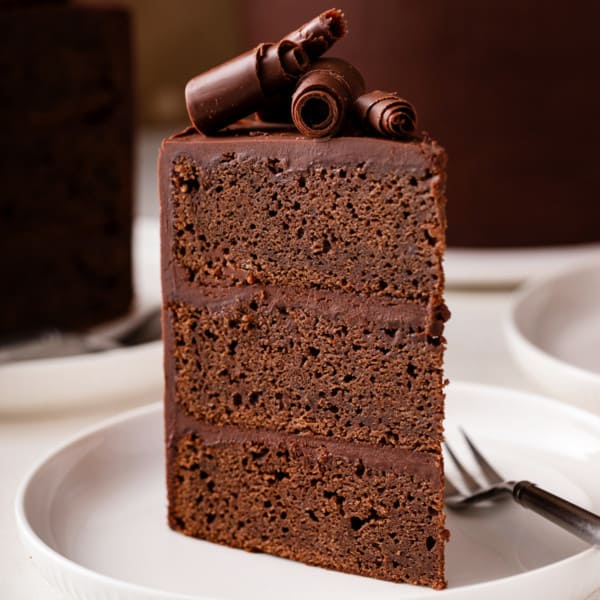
[(256, 140), (389, 312), (424, 464)]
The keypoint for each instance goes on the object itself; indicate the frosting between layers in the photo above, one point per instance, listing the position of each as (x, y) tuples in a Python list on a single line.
[(333, 304), (424, 464)]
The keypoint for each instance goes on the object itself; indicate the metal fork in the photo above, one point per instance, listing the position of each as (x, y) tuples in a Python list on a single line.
[(580, 522)]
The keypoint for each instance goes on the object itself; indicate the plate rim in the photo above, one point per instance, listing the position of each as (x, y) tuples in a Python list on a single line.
[(30, 539)]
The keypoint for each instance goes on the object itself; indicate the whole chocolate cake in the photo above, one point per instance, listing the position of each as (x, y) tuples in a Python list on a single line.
[(66, 165), (303, 322), (510, 89)]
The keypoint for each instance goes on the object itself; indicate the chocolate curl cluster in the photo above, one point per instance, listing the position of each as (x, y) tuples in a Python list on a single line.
[(324, 96), (387, 114), (244, 84)]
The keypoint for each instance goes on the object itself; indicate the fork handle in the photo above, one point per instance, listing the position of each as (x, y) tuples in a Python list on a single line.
[(582, 523)]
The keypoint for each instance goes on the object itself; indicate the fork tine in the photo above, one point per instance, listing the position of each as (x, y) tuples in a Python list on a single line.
[(490, 473), (470, 482), (451, 489)]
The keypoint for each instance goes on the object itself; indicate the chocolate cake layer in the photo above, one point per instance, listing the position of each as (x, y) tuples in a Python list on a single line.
[(360, 214), (320, 363), (341, 506), (66, 166)]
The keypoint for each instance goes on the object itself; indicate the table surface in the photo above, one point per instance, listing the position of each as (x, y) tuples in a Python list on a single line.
[(477, 351)]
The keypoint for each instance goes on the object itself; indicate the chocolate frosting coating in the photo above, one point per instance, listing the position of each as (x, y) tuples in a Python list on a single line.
[(424, 464), (388, 311), (274, 140)]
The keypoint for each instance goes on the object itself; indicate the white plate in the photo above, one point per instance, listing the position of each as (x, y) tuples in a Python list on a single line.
[(99, 378), (92, 516), (508, 267), (553, 330)]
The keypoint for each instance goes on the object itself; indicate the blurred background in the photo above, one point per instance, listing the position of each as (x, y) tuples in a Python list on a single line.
[(172, 42)]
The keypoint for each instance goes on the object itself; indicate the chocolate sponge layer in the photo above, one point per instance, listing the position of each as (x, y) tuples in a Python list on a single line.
[(338, 506), (311, 363)]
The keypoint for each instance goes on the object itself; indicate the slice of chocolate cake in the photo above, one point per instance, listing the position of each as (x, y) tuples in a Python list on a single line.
[(303, 321)]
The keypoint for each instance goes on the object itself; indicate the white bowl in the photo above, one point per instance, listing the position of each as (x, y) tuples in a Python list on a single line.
[(553, 329)]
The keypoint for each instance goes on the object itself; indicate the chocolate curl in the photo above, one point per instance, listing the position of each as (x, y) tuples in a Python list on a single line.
[(318, 35), (242, 85), (315, 38), (324, 96), (387, 113)]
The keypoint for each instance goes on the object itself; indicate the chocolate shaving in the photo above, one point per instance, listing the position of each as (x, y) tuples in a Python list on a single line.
[(387, 114), (254, 79), (280, 65), (240, 86), (324, 96), (261, 80), (315, 38)]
